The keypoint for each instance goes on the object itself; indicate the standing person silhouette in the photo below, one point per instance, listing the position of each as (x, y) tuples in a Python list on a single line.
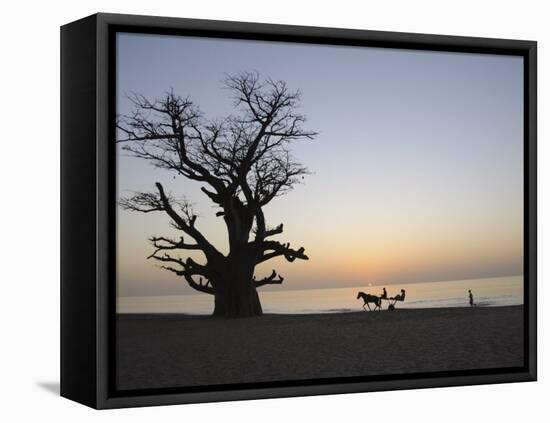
[(471, 298)]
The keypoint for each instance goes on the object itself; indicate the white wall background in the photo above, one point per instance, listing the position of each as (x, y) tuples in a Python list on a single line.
[(29, 235)]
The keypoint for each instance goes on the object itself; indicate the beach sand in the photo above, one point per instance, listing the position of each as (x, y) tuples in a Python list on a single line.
[(159, 351)]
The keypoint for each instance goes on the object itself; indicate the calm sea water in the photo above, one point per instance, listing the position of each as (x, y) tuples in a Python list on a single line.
[(487, 292)]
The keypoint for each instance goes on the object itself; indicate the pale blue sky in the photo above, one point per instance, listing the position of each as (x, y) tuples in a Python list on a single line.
[(417, 171)]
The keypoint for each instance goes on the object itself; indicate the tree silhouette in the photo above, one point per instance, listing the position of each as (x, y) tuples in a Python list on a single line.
[(243, 162)]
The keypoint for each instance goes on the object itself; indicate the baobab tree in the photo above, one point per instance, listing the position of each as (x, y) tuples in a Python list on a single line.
[(243, 163)]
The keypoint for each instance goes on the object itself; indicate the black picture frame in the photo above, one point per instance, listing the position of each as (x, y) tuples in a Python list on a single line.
[(88, 198)]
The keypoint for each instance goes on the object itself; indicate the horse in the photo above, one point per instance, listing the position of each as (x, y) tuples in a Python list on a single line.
[(367, 298)]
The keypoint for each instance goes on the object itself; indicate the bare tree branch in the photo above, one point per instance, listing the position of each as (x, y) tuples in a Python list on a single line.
[(269, 280), (274, 231), (144, 202), (188, 269), (184, 221), (198, 286), (163, 132), (163, 243), (278, 249)]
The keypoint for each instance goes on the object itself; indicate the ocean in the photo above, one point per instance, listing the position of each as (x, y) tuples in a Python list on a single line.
[(488, 292)]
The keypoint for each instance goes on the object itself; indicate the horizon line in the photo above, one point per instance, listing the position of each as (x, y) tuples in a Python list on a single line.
[(335, 287)]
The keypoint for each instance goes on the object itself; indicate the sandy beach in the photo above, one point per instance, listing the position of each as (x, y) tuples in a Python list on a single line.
[(158, 351)]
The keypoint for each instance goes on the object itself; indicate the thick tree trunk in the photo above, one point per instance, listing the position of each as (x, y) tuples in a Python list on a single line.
[(234, 289), (235, 293), (237, 300)]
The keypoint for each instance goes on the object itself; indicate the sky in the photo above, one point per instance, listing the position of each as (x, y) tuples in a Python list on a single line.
[(416, 174)]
